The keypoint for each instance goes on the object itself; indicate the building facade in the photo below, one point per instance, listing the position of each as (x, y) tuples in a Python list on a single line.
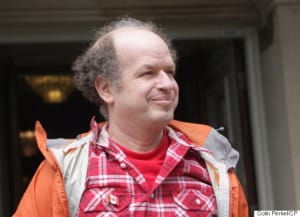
[(238, 68)]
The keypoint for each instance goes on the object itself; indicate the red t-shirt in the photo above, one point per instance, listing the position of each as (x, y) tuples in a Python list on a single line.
[(150, 163)]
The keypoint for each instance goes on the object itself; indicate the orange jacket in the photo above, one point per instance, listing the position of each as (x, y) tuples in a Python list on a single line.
[(46, 194)]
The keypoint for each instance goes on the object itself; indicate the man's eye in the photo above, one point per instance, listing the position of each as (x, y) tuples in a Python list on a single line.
[(147, 73), (171, 72)]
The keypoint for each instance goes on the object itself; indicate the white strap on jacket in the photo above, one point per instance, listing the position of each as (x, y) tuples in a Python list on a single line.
[(73, 162), (221, 188)]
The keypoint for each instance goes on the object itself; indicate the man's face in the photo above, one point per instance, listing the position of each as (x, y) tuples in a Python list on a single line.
[(148, 92)]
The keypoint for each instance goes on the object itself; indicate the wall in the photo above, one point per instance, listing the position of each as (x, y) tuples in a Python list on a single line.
[(289, 23), (74, 20), (281, 82)]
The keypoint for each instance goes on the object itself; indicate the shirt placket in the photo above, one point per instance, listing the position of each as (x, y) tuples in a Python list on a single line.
[(128, 167), (173, 157)]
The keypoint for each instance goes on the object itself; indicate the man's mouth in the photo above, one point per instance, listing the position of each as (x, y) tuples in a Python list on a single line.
[(163, 100)]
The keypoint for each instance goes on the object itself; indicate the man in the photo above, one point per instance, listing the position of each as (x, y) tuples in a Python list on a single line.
[(140, 162)]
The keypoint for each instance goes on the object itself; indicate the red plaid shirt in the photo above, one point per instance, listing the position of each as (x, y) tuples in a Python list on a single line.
[(115, 187)]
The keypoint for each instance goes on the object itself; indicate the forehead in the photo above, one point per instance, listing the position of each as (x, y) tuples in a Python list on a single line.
[(134, 42), (124, 35)]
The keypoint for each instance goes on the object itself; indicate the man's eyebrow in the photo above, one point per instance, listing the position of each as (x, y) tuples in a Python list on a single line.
[(149, 66), (146, 66)]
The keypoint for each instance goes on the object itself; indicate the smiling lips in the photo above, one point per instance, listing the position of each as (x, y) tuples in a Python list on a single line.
[(164, 100)]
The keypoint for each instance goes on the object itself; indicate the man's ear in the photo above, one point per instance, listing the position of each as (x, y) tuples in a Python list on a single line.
[(103, 88)]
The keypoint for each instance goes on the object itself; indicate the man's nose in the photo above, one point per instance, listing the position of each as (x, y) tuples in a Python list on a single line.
[(166, 80)]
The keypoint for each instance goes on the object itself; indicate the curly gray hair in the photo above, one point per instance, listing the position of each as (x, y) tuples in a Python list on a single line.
[(100, 59)]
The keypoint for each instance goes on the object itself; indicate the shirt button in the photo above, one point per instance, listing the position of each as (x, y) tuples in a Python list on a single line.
[(123, 165), (198, 201), (152, 195)]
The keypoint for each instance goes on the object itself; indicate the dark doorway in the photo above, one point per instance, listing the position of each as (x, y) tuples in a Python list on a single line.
[(211, 76), (213, 91)]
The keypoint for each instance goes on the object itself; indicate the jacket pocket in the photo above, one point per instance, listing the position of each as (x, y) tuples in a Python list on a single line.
[(105, 200), (191, 202)]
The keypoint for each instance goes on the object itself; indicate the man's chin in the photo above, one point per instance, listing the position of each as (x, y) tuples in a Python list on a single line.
[(163, 118)]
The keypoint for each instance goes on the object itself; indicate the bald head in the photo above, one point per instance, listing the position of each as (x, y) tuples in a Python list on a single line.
[(130, 42)]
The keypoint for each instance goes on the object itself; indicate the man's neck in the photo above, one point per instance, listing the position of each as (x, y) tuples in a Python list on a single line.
[(136, 138)]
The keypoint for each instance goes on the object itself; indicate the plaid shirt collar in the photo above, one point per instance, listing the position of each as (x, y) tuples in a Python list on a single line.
[(101, 138)]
